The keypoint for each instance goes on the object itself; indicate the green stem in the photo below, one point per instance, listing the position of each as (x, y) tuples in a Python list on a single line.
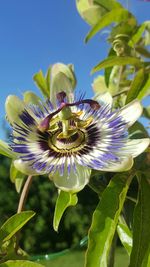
[(21, 205), (24, 194), (121, 70)]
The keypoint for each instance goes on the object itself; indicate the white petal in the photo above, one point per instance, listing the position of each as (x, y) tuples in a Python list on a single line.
[(135, 147), (125, 164), (131, 112), (104, 99), (74, 181), (24, 167)]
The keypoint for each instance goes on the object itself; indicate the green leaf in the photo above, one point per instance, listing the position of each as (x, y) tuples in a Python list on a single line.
[(141, 224), (137, 130), (105, 219), (41, 82), (14, 224), (116, 60), (143, 51), (136, 37), (146, 112), (125, 236), (5, 150), (146, 261), (145, 90), (136, 86), (109, 4), (16, 177), (20, 263), (64, 200), (115, 15)]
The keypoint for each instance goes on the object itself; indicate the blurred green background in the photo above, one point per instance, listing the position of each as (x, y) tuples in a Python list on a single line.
[(38, 235)]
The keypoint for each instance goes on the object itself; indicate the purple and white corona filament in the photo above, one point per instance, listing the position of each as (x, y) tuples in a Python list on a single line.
[(68, 141)]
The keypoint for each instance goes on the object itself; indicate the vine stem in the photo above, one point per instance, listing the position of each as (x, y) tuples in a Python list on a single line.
[(21, 205), (24, 194), (121, 70)]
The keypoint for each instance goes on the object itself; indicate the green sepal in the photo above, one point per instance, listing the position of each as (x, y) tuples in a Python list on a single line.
[(64, 200), (16, 177)]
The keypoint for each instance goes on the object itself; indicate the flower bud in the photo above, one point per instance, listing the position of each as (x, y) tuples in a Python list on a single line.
[(89, 11), (62, 79)]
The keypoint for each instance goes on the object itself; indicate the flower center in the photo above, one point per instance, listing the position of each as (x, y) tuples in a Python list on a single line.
[(73, 142)]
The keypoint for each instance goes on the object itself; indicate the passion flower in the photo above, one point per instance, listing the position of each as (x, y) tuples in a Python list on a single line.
[(69, 140)]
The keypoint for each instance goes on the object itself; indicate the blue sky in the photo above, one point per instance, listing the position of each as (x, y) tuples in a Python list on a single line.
[(37, 33)]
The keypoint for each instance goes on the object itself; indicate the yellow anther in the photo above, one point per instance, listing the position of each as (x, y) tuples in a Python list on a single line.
[(84, 124)]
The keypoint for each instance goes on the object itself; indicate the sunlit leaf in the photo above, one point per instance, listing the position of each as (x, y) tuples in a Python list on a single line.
[(141, 224), (136, 86), (105, 219), (64, 200), (41, 82), (139, 32), (20, 263), (125, 236), (115, 15), (5, 150), (116, 60), (14, 224)]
